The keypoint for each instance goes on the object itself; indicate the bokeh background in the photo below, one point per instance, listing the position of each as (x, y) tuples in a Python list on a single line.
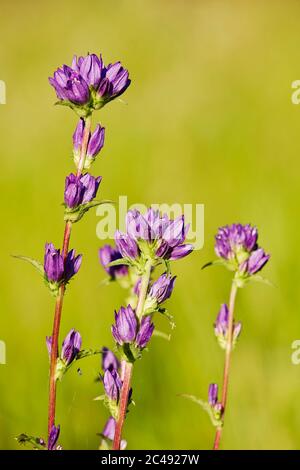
[(208, 119)]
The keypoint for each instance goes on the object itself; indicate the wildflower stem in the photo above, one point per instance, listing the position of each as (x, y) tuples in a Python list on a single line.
[(127, 367), (227, 361), (60, 296)]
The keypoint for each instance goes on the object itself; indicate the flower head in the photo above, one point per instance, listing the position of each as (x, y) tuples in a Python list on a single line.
[(108, 254), (125, 328), (87, 84), (72, 265), (237, 245), (154, 234)]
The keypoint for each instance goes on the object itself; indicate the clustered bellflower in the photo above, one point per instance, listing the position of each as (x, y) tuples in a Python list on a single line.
[(88, 84), (69, 352), (153, 236), (237, 245), (108, 254)]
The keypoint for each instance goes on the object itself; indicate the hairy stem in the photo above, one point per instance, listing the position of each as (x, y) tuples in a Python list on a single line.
[(127, 367), (61, 293), (227, 361)]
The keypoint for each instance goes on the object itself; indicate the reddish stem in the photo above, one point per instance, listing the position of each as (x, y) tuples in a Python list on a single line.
[(227, 361), (127, 371), (60, 297)]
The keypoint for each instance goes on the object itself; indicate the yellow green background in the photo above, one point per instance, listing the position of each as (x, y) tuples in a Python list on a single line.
[(207, 119)]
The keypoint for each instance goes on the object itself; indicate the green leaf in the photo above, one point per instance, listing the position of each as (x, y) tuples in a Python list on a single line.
[(161, 334), (36, 264), (217, 262), (217, 422), (263, 280), (120, 262), (87, 353)]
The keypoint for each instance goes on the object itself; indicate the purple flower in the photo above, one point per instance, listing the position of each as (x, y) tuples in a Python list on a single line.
[(162, 289), (221, 326), (112, 384), (124, 330), (234, 239), (145, 332), (126, 245), (53, 263), (165, 237), (88, 83), (115, 80), (109, 432), (71, 347), (80, 190), (72, 265), (108, 254), (95, 143), (49, 344), (109, 429), (109, 360), (70, 86), (53, 437), (256, 261), (213, 394), (237, 244), (136, 226), (55, 268), (90, 68)]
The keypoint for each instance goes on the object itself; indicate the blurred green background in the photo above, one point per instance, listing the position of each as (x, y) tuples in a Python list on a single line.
[(208, 119)]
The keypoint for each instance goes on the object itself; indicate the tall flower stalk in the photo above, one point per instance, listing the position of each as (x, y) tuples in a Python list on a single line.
[(150, 241), (237, 249), (85, 86)]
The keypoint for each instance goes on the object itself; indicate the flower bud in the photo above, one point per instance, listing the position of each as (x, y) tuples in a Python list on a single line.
[(71, 347), (53, 437), (213, 394), (112, 384), (109, 360), (124, 330), (145, 332), (53, 263), (126, 245), (161, 289), (107, 255)]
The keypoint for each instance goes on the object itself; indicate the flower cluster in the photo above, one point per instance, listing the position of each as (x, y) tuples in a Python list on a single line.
[(58, 271), (111, 381), (127, 329), (237, 245), (154, 236), (88, 84)]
